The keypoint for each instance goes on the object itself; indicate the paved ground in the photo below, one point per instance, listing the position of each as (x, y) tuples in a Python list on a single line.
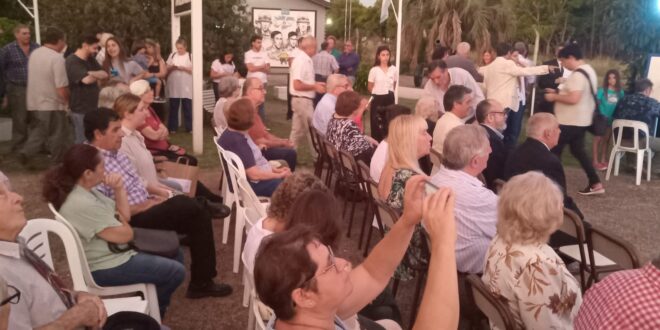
[(630, 211)]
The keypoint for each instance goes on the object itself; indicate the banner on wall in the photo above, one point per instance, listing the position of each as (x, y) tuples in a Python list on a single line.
[(280, 30)]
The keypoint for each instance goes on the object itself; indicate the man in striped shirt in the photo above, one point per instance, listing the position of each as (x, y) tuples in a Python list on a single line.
[(466, 149)]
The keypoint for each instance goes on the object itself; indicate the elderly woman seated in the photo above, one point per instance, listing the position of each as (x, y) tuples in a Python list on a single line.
[(344, 133), (263, 177), (520, 268), (228, 89)]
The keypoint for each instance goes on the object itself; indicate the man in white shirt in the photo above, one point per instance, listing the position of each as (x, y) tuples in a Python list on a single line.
[(501, 83), (441, 78), (303, 88), (574, 108), (458, 100), (258, 66), (466, 156), (336, 84), (47, 99)]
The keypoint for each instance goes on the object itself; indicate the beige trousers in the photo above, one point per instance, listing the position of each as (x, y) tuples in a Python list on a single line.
[(303, 110)]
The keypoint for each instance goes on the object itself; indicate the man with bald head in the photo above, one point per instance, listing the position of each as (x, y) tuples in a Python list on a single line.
[(534, 154), (462, 60), (491, 115), (336, 84), (303, 89)]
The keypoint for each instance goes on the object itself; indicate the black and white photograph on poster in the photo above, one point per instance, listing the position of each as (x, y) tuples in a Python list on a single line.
[(280, 30)]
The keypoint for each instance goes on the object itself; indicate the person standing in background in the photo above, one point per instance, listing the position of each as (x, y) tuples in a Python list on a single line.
[(179, 86), (608, 96), (381, 83), (256, 60), (222, 67), (47, 99), (14, 69), (349, 62)]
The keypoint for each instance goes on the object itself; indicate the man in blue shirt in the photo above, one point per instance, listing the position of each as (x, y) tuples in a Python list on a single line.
[(14, 64), (349, 61), (641, 107)]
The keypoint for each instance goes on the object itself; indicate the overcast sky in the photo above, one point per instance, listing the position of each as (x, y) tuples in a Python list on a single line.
[(367, 3)]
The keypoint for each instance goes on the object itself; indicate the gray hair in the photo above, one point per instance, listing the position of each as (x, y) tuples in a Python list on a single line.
[(334, 80), (462, 144), (539, 123), (463, 48), (227, 86), (109, 94), (427, 108)]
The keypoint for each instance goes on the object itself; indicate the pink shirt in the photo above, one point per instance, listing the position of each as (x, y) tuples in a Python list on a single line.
[(154, 122)]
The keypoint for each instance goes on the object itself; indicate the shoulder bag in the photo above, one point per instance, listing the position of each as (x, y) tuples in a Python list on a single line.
[(599, 123)]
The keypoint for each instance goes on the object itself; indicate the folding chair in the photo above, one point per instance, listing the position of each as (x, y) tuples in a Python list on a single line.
[(320, 153), (572, 226), (334, 166), (35, 234), (638, 147), (497, 312), (372, 189), (610, 252), (351, 179)]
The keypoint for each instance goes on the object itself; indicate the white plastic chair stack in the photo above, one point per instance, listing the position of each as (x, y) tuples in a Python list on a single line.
[(35, 235), (84, 281), (620, 148)]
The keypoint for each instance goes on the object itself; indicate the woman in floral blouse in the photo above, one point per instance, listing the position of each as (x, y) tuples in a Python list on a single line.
[(342, 131), (521, 269), (404, 132)]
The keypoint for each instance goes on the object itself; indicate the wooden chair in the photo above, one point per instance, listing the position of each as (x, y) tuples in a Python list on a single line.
[(370, 188), (351, 180), (619, 253), (573, 226), (320, 152), (497, 312), (332, 157)]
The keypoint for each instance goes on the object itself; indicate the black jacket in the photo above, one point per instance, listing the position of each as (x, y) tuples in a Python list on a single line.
[(496, 160)]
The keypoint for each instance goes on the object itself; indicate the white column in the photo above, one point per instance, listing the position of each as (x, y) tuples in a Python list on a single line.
[(198, 76), (37, 29), (176, 27), (398, 50)]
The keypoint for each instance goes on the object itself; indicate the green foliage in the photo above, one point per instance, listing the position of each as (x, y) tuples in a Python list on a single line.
[(361, 78)]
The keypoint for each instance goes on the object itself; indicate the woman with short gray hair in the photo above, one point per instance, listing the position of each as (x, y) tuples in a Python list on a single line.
[(228, 90)]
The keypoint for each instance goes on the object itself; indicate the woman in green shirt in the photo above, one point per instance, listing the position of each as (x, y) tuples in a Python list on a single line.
[(99, 221), (608, 96)]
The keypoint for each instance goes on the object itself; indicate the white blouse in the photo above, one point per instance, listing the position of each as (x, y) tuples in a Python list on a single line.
[(384, 82)]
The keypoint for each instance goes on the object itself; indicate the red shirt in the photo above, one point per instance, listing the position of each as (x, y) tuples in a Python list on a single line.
[(154, 122), (628, 299), (258, 130)]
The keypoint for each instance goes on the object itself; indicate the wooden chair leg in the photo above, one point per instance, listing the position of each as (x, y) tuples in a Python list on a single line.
[(367, 209)]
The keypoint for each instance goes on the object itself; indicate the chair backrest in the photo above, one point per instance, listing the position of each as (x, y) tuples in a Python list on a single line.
[(436, 157), (618, 126), (218, 131), (370, 185), (385, 214), (87, 273), (228, 160), (496, 311), (254, 209), (316, 140), (572, 225), (260, 311), (614, 248), (208, 100), (35, 234), (498, 185)]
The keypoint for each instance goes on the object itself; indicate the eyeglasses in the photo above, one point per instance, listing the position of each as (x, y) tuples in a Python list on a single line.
[(14, 296), (333, 264)]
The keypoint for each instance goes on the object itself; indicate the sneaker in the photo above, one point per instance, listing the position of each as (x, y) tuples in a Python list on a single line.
[(600, 166), (592, 191), (218, 210), (159, 100), (209, 289)]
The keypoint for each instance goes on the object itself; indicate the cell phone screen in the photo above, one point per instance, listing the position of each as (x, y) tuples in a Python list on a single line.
[(430, 188)]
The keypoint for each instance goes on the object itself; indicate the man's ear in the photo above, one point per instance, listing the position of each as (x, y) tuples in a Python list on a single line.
[(98, 134), (303, 298)]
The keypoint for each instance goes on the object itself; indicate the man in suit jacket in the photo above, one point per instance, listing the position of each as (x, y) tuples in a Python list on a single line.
[(552, 81), (501, 83), (534, 154), (492, 116)]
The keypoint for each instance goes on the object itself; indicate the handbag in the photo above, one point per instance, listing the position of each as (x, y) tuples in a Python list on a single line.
[(599, 121), (182, 172), (164, 243)]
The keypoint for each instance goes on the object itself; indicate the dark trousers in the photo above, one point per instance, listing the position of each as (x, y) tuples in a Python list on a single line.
[(216, 92), (16, 101), (377, 115), (513, 125), (573, 136), (185, 216), (287, 154), (173, 121), (51, 129)]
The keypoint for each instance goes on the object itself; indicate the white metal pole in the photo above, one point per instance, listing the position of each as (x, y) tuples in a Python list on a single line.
[(398, 50), (198, 76), (37, 30), (536, 55), (176, 28), (345, 17), (350, 17)]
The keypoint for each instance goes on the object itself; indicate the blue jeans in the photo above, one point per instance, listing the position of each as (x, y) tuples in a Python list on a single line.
[(166, 274), (173, 118), (78, 127), (513, 126), (287, 154), (265, 188)]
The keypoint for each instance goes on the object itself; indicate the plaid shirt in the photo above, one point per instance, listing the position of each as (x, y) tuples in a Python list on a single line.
[(117, 162), (628, 299), (638, 107), (14, 63), (324, 63)]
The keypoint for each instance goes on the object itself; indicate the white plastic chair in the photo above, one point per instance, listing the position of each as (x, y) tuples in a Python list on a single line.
[(84, 281), (229, 191), (619, 148), (257, 311), (35, 234)]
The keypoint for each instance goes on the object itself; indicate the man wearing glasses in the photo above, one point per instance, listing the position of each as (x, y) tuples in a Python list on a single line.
[(36, 296), (309, 288), (491, 115), (336, 84)]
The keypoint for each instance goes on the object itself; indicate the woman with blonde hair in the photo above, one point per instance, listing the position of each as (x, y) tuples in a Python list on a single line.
[(521, 268), (404, 132)]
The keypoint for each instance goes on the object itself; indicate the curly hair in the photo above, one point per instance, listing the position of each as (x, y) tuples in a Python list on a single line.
[(289, 190), (530, 208)]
